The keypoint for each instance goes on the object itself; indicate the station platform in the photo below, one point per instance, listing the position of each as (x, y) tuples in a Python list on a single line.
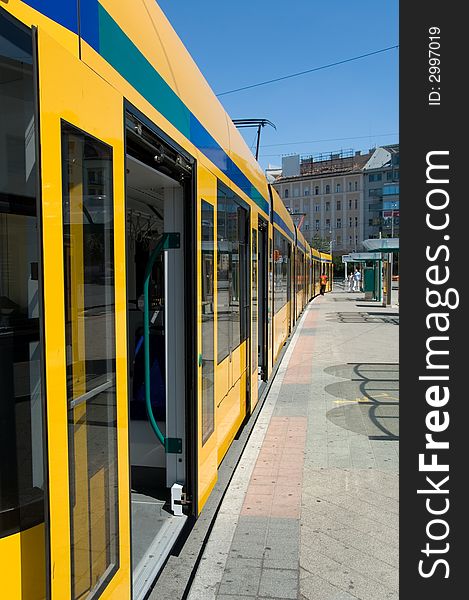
[(311, 511)]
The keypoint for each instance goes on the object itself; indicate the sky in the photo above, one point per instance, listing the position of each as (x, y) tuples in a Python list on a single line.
[(242, 42)]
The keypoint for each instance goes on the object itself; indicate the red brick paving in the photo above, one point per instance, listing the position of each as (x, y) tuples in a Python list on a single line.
[(300, 366), (275, 485)]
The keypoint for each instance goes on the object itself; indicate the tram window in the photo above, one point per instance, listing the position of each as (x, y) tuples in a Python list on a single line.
[(254, 349), (235, 279), (281, 271), (232, 292), (224, 277), (90, 355), (208, 251), (301, 271), (21, 466)]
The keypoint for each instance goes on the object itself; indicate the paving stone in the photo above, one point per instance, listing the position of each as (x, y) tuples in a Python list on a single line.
[(240, 578), (313, 587), (282, 583), (231, 597)]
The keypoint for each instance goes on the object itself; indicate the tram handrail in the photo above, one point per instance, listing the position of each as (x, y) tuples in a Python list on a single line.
[(160, 246)]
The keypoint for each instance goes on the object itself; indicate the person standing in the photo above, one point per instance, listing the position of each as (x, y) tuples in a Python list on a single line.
[(357, 276), (323, 282)]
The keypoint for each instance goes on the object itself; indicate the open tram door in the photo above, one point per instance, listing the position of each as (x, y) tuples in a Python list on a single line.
[(83, 233), (159, 229)]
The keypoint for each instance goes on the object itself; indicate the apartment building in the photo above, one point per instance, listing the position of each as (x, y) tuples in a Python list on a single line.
[(381, 193), (341, 198), (326, 191)]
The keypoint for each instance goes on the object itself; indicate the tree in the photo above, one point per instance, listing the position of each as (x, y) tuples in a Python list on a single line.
[(321, 243)]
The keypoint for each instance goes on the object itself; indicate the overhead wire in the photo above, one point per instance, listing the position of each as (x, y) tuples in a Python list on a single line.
[(357, 137), (328, 66)]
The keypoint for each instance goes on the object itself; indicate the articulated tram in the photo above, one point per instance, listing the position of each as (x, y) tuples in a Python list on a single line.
[(149, 277)]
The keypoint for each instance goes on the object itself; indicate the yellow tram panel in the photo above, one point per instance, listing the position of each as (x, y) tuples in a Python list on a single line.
[(207, 469), (71, 91), (23, 563)]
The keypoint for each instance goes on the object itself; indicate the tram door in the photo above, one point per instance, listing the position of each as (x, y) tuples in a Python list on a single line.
[(262, 243), (82, 180)]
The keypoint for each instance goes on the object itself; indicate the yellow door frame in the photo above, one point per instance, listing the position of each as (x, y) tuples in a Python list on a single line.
[(70, 91)]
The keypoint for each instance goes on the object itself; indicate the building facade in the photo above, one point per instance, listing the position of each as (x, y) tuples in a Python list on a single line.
[(328, 194), (342, 198), (381, 193)]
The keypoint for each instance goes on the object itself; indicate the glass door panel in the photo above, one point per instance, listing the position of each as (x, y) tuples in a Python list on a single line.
[(90, 354)]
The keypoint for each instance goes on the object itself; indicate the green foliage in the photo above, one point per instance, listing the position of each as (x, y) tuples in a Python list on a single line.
[(339, 267), (320, 243)]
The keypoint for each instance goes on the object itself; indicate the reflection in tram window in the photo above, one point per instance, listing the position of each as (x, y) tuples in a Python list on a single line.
[(207, 272), (281, 270), (90, 354), (254, 343), (232, 292), (21, 467)]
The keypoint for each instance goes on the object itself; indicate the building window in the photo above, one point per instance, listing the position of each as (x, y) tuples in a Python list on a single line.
[(337, 188), (370, 222), (328, 205), (328, 223), (396, 175), (350, 203), (391, 190), (328, 189), (389, 176), (375, 177), (317, 224), (356, 221), (339, 223), (306, 192), (317, 207), (285, 193), (350, 221), (356, 203), (296, 192), (316, 190), (356, 185), (339, 240), (339, 205), (349, 186)]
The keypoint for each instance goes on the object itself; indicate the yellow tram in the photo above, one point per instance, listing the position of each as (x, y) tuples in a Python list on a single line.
[(149, 277)]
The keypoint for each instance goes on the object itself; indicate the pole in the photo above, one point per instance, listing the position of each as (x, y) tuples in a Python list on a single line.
[(258, 140), (390, 259)]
